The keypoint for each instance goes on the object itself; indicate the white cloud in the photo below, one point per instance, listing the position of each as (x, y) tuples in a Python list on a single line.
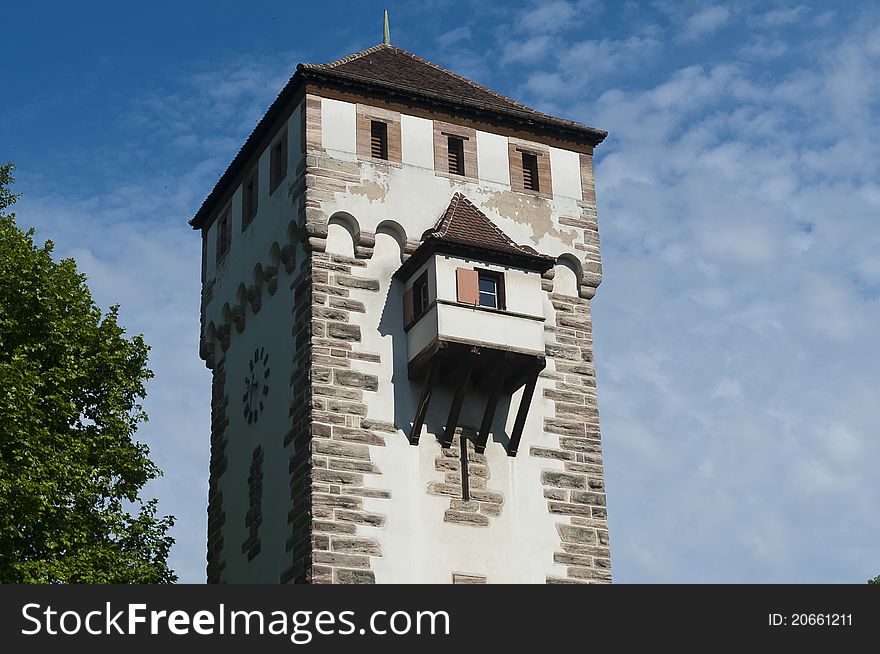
[(780, 17), (735, 325), (705, 22), (453, 36), (585, 61), (762, 49)]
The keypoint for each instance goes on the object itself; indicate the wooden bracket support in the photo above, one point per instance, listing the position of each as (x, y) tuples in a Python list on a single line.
[(489, 414), (455, 409), (522, 413), (422, 409)]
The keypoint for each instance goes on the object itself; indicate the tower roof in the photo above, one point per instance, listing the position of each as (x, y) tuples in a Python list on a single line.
[(391, 73), (395, 69), (464, 229)]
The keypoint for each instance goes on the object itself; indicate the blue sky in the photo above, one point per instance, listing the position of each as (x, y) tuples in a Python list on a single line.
[(736, 326)]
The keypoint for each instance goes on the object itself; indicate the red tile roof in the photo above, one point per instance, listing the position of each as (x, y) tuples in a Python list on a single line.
[(462, 223), (400, 70), (464, 229)]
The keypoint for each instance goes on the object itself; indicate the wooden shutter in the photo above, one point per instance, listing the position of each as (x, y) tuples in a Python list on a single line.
[(408, 307), (467, 283)]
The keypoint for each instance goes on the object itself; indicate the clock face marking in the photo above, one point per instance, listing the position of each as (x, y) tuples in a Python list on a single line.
[(256, 388)]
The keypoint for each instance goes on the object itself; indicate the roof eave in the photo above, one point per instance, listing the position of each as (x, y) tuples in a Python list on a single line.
[(537, 122), (539, 263), (247, 150), (558, 127)]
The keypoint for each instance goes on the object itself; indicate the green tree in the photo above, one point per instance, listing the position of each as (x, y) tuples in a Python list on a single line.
[(70, 386), (875, 581)]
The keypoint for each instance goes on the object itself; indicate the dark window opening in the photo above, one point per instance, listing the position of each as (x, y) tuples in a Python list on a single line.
[(378, 140), (204, 256), (491, 286), (456, 155), (249, 201), (224, 236), (530, 172), (420, 296), (278, 162)]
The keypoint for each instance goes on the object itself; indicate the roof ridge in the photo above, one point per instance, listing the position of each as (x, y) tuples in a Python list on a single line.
[(351, 57)]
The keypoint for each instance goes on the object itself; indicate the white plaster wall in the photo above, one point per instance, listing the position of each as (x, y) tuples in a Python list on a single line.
[(339, 239), (274, 214), (417, 545), (338, 125), (416, 198), (269, 328), (565, 173), (565, 280), (423, 332), (466, 324), (492, 159), (522, 287), (417, 141)]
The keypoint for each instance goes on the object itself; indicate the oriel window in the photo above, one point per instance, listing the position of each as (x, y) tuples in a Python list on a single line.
[(491, 286), (420, 296)]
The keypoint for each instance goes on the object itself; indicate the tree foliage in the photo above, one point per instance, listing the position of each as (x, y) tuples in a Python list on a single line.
[(70, 386), (875, 581)]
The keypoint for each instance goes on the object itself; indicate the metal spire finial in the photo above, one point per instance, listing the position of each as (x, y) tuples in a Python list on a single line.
[(387, 37)]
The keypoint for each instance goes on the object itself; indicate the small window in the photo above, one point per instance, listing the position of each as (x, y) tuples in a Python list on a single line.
[(204, 256), (302, 129), (456, 155), (420, 296), (378, 139), (491, 286), (224, 235), (249, 200), (530, 172), (278, 162)]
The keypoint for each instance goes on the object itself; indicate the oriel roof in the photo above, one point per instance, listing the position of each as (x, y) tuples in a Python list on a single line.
[(466, 230)]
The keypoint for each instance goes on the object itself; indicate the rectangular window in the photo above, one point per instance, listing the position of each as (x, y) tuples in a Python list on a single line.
[(420, 296), (278, 162), (530, 172), (378, 139), (249, 200), (491, 285), (456, 155), (224, 235)]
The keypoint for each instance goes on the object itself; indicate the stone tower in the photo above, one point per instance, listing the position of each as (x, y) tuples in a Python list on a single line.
[(397, 270)]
